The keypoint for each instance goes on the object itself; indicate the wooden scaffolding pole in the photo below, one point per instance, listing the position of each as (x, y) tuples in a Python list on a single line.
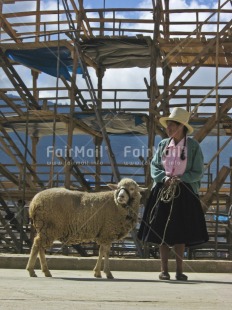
[(154, 91)]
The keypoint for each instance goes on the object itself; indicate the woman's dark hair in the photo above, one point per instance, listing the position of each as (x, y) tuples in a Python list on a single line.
[(185, 130)]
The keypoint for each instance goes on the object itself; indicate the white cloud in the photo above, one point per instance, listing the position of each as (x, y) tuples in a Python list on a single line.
[(134, 77)]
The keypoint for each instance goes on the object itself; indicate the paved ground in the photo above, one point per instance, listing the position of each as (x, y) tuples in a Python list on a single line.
[(78, 289)]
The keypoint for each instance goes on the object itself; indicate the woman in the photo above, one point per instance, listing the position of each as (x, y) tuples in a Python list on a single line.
[(173, 216)]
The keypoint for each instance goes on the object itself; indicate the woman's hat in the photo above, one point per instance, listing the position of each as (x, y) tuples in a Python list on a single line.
[(178, 115)]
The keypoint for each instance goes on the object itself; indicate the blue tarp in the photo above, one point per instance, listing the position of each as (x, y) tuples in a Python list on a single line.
[(45, 60)]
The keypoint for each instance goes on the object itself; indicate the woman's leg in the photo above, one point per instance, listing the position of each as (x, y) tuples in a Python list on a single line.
[(164, 255), (179, 252)]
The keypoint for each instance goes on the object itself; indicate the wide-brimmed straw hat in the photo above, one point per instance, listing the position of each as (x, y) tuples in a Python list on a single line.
[(178, 115)]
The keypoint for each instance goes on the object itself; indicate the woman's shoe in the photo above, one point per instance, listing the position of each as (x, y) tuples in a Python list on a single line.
[(181, 277), (164, 276)]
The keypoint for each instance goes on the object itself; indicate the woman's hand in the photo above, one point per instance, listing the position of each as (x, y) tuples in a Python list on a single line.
[(169, 180)]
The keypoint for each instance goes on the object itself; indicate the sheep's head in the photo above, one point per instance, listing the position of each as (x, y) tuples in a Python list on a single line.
[(126, 190)]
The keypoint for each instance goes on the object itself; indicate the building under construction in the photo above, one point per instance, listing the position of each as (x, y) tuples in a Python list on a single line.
[(54, 97)]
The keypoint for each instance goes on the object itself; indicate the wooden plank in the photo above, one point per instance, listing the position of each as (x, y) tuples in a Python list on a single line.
[(10, 233), (14, 222), (75, 171), (9, 175), (14, 152), (211, 122), (215, 186), (10, 103)]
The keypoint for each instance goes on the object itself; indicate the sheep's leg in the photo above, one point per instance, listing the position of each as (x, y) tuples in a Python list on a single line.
[(97, 268), (106, 261), (43, 263), (32, 258)]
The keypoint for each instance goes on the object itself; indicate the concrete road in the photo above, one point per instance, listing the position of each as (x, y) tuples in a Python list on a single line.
[(78, 289)]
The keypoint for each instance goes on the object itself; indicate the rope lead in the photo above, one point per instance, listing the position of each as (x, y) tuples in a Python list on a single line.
[(166, 194)]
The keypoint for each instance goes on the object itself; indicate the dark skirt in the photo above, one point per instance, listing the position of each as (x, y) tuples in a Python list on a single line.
[(186, 224)]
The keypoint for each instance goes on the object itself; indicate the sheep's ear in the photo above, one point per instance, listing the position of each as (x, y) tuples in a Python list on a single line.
[(112, 186), (141, 189)]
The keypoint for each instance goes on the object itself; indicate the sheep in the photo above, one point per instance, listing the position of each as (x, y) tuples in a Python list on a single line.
[(74, 217)]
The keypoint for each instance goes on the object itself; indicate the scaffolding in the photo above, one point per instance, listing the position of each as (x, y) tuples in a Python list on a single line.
[(73, 48)]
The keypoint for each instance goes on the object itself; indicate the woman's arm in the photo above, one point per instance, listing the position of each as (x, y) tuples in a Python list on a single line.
[(196, 170), (157, 169)]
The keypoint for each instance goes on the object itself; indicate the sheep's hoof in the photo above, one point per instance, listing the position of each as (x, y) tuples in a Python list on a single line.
[(110, 276), (32, 274), (97, 274), (47, 274)]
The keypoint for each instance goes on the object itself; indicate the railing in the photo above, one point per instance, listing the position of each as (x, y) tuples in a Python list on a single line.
[(127, 100), (115, 22)]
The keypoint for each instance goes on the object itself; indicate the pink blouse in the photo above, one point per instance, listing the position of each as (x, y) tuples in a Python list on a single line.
[(173, 165)]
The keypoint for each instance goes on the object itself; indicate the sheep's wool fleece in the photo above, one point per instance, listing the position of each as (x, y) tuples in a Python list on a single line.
[(74, 217)]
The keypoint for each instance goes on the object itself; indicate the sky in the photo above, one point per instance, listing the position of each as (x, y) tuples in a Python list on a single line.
[(125, 78), (137, 3)]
